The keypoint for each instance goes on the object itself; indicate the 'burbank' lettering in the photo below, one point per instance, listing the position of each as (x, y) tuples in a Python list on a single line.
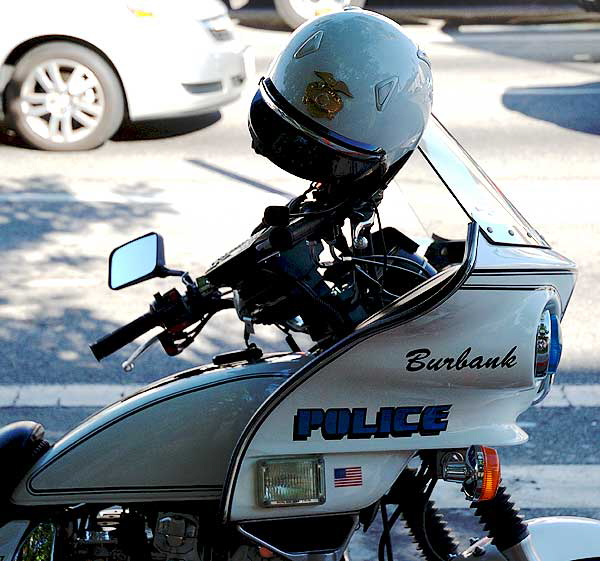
[(419, 359)]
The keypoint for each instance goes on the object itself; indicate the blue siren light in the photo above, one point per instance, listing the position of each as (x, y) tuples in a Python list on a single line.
[(555, 344)]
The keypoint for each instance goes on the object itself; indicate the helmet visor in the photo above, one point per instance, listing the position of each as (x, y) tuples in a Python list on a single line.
[(304, 148)]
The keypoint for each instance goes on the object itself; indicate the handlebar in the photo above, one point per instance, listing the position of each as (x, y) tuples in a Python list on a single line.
[(122, 336), (173, 312)]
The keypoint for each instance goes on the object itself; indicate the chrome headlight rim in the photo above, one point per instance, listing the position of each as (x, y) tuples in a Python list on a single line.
[(551, 356)]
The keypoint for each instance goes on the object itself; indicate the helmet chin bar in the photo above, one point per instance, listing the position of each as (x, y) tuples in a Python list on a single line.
[(304, 148)]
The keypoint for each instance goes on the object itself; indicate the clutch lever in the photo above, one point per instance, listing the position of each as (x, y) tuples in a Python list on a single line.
[(358, 240), (129, 364)]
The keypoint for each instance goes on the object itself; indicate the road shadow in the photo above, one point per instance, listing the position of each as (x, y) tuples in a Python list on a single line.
[(155, 129), (239, 177), (35, 207), (530, 42), (8, 137), (264, 19), (574, 107), (48, 316), (165, 128)]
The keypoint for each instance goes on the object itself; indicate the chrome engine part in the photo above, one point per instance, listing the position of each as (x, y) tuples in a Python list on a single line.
[(176, 536), (98, 545)]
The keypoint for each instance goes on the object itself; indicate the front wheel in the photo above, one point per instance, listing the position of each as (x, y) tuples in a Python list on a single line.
[(296, 12), (64, 96)]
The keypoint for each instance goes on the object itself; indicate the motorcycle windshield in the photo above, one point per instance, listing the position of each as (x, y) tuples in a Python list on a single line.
[(476, 193)]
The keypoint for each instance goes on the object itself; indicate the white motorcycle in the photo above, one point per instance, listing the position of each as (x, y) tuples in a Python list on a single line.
[(426, 349)]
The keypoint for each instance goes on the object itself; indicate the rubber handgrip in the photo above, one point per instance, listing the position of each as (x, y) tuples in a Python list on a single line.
[(123, 336)]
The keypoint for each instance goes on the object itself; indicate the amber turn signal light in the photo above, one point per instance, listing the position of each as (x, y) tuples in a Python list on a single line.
[(483, 465), (478, 470), (491, 473)]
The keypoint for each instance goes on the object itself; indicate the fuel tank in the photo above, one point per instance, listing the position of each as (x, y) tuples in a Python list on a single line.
[(170, 441)]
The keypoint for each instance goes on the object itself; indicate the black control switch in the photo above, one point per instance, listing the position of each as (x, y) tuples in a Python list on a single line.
[(276, 216)]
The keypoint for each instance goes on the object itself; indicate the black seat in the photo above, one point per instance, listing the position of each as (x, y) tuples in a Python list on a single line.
[(21, 444)]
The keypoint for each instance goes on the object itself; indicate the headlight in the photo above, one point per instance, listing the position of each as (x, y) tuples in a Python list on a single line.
[(548, 345), (291, 481), (142, 8), (548, 350), (221, 28), (555, 344), (542, 345)]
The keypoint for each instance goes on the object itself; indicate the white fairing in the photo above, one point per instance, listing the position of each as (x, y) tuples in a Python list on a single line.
[(564, 538), (448, 365), (387, 76)]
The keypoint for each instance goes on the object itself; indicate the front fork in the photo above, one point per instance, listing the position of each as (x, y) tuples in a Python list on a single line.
[(523, 551), (478, 469), (505, 527)]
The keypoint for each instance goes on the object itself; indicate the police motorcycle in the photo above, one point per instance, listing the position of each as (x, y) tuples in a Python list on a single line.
[(425, 349)]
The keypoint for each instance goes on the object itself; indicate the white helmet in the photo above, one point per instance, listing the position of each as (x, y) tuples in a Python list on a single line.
[(348, 98)]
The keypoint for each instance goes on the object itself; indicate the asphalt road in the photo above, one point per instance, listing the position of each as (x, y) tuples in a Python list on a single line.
[(525, 102)]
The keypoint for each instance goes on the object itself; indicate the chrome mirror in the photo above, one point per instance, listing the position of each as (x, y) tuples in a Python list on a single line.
[(136, 261)]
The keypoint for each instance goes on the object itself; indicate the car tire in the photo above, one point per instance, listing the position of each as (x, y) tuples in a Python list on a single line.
[(63, 97), (295, 12)]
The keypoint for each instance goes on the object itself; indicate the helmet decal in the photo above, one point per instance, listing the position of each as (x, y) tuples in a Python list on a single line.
[(384, 91), (311, 45), (322, 98)]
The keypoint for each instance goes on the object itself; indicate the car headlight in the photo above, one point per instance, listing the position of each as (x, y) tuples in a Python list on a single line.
[(142, 8), (291, 481), (221, 27)]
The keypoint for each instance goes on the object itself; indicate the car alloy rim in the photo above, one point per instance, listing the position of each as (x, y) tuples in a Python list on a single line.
[(311, 8), (62, 101)]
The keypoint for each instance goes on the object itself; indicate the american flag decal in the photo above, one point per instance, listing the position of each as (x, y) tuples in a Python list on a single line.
[(347, 477)]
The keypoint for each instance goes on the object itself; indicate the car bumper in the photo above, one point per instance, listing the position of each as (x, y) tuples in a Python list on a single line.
[(188, 73), (200, 94)]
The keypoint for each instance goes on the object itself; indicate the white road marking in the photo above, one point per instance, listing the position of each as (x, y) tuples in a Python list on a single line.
[(68, 395), (556, 90), (100, 395), (537, 486)]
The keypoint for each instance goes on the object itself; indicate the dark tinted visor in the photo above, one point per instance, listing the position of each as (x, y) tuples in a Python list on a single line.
[(297, 144)]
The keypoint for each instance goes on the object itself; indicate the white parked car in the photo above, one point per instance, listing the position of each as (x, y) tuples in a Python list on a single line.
[(72, 70)]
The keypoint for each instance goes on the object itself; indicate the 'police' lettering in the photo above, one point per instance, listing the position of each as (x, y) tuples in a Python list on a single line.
[(395, 422)]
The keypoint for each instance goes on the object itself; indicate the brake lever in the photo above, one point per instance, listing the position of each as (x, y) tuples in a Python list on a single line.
[(129, 364), (358, 240)]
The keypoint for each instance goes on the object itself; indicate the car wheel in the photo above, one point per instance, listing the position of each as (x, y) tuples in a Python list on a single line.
[(296, 12), (63, 96)]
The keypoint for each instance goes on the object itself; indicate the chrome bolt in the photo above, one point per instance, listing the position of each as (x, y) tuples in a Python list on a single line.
[(361, 243)]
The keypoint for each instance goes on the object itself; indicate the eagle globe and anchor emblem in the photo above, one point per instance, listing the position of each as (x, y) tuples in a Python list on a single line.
[(322, 98)]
